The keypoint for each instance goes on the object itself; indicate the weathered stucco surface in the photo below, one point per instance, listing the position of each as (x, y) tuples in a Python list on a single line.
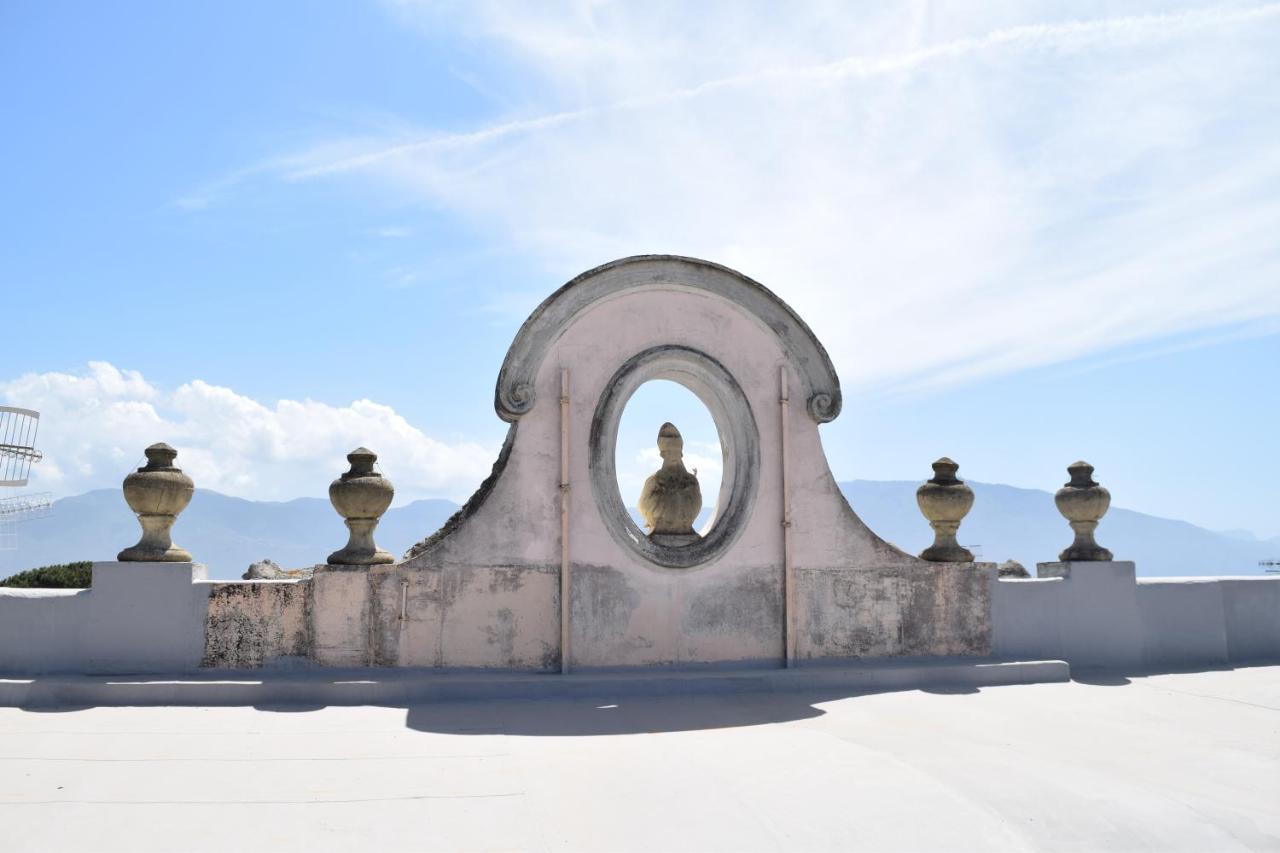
[(484, 592), (253, 623), (627, 610), (935, 609), (465, 616)]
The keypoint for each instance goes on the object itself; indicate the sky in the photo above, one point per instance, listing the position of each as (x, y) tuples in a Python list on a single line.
[(1027, 233)]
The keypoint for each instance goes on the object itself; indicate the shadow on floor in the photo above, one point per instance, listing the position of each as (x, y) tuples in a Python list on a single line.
[(611, 715), (1101, 677), (583, 710), (637, 714)]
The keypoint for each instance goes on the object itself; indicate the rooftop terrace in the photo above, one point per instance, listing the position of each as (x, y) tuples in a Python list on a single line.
[(1186, 761)]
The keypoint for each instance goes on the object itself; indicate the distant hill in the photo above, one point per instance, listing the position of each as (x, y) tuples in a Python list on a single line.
[(224, 533), (227, 534), (1024, 525)]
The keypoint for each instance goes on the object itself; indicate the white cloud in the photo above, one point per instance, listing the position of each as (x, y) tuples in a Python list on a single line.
[(95, 424), (944, 191)]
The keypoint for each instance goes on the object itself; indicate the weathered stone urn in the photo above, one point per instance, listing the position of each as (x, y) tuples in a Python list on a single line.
[(361, 496), (157, 492), (945, 501), (1083, 503), (671, 498)]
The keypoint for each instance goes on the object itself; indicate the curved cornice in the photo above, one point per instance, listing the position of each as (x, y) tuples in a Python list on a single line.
[(514, 395)]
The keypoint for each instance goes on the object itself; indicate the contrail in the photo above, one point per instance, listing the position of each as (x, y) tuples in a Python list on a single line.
[(1069, 35)]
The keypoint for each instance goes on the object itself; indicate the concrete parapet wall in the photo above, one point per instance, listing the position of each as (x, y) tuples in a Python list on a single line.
[(42, 630), (1251, 608), (1084, 613), (646, 616), (934, 609), (257, 623), (138, 617), (1210, 620), (494, 617), (163, 617), (1182, 623), (146, 615), (1099, 615), (507, 617)]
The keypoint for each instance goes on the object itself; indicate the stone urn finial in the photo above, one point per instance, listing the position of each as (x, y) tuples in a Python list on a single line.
[(157, 492), (945, 501), (1083, 503), (361, 496), (671, 498)]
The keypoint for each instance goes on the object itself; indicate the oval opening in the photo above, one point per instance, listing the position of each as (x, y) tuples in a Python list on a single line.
[(636, 456), (734, 424)]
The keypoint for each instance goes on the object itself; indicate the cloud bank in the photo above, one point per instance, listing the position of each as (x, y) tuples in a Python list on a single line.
[(96, 423)]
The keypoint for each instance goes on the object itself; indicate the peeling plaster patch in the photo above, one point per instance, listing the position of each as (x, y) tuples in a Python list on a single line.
[(603, 603), (506, 579), (247, 625), (494, 616), (502, 633), (747, 604), (550, 658), (936, 610), (385, 625), (610, 598)]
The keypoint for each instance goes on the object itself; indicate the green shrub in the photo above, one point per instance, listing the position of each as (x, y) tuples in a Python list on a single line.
[(62, 576)]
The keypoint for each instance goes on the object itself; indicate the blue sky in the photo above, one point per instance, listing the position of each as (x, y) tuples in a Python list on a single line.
[(267, 232)]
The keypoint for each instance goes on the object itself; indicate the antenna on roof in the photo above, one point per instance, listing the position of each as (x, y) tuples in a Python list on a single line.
[(18, 431), (19, 508)]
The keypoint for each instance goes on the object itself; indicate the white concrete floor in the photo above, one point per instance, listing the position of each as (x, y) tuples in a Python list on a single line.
[(1168, 762)]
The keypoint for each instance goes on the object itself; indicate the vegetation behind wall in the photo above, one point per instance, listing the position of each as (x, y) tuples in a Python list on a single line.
[(61, 576)]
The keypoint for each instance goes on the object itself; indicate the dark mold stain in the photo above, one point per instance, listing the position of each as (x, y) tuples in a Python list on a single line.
[(502, 633), (244, 624), (742, 604), (502, 579)]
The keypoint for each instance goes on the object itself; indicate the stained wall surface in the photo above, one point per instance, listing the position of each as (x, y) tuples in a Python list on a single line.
[(627, 610), (164, 618)]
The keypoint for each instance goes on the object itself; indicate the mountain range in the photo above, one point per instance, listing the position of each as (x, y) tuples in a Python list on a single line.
[(227, 533)]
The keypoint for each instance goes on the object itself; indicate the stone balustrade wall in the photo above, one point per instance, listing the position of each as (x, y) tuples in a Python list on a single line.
[(164, 617), (1100, 615)]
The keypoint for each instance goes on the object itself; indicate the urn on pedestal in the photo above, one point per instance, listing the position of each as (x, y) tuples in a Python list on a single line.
[(157, 492), (945, 501), (671, 498), (361, 496), (1083, 503)]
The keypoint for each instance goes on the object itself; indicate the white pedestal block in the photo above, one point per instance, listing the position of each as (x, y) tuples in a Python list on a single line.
[(145, 617), (1098, 619)]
